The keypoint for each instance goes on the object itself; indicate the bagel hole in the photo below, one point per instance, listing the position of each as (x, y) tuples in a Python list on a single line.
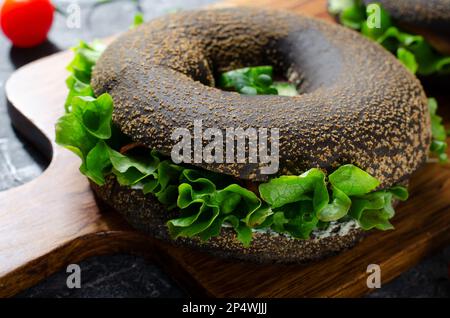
[(280, 75)]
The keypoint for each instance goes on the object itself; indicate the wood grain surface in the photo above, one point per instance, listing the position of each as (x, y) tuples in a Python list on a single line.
[(54, 220)]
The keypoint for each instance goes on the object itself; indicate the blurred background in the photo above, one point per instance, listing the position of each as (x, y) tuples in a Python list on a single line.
[(128, 275)]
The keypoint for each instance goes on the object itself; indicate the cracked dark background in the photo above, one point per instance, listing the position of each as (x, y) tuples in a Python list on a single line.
[(127, 275)]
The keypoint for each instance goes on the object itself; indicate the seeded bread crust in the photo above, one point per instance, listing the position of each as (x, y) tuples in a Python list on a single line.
[(358, 104)]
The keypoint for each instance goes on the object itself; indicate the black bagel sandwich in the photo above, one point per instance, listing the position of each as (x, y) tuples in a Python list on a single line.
[(355, 133)]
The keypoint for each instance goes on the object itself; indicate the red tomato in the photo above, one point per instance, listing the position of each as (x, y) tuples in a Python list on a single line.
[(26, 22)]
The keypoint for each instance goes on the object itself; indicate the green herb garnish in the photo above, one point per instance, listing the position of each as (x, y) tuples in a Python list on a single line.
[(439, 142)]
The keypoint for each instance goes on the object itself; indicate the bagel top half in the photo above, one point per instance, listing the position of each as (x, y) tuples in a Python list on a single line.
[(357, 105)]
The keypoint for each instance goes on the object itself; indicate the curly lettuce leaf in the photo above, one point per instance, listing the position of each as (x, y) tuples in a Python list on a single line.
[(86, 55), (296, 219), (347, 182), (352, 180), (408, 59), (80, 68), (337, 209), (76, 88), (438, 144), (289, 189), (98, 162), (353, 16), (234, 205), (94, 114), (71, 134)]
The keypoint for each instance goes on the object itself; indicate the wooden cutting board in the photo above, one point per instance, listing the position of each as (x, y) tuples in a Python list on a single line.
[(54, 220)]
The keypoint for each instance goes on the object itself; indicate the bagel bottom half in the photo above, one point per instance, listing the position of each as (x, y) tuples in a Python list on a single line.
[(145, 213)]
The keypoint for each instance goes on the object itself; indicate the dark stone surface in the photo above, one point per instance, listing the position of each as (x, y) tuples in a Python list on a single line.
[(126, 275), (110, 276), (430, 278)]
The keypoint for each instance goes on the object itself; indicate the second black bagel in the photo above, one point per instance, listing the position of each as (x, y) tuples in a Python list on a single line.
[(433, 15)]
